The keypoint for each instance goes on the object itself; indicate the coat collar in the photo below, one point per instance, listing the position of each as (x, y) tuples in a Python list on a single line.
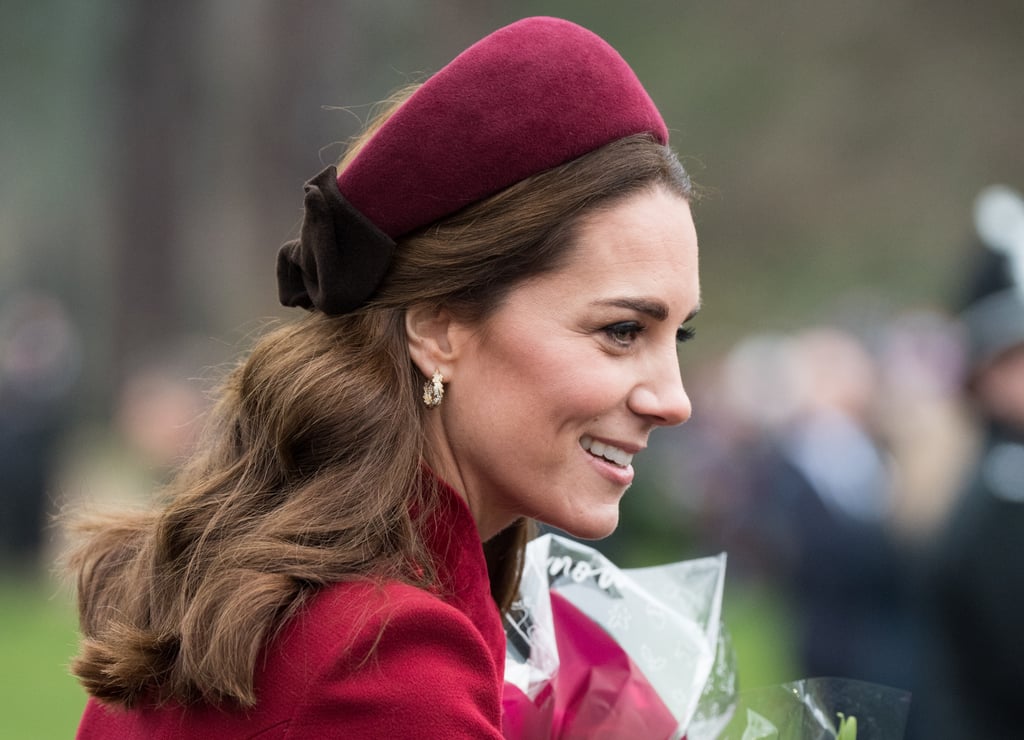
[(454, 542)]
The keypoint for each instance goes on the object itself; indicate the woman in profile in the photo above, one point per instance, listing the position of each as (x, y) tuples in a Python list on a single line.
[(496, 277)]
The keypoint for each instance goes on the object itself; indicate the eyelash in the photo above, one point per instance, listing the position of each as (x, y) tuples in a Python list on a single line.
[(635, 329), (685, 334)]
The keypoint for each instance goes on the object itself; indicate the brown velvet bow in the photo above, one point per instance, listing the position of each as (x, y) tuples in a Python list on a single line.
[(339, 258)]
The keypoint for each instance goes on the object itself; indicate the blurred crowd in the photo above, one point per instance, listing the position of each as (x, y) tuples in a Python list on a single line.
[(871, 470), (823, 462)]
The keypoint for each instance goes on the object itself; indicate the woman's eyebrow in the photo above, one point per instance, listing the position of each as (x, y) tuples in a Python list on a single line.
[(653, 308)]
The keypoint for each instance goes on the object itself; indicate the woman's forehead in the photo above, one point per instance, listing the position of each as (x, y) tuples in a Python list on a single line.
[(642, 250)]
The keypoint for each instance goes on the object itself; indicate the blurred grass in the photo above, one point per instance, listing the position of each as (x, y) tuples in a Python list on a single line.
[(40, 699), (759, 623)]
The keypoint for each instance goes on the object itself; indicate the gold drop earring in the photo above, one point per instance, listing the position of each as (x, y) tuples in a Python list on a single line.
[(433, 390)]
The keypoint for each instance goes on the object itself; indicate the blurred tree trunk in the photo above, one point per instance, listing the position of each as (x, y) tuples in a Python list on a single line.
[(155, 77)]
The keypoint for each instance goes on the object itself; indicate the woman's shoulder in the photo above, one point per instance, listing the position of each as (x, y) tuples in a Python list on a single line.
[(384, 656), (342, 617)]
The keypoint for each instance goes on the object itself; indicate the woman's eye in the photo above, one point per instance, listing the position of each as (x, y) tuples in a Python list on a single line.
[(685, 334), (624, 333)]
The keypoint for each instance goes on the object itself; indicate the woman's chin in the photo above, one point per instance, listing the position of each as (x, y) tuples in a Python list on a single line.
[(596, 528)]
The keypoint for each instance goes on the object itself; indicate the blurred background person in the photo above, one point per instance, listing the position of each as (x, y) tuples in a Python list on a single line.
[(822, 492), (921, 419), (39, 363), (972, 663)]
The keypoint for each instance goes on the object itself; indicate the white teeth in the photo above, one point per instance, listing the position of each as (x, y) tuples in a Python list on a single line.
[(608, 452)]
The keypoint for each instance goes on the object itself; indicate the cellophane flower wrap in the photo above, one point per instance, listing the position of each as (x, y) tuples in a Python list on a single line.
[(595, 651)]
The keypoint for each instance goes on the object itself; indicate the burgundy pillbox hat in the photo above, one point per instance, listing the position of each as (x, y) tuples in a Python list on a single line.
[(530, 96)]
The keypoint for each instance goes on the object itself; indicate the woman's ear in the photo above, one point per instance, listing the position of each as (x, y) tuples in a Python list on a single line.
[(428, 330)]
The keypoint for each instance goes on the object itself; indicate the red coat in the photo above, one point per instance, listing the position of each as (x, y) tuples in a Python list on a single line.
[(435, 667)]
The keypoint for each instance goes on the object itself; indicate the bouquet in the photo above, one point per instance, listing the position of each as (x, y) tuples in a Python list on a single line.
[(594, 651)]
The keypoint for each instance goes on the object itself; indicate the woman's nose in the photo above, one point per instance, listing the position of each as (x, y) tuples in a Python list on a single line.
[(661, 396)]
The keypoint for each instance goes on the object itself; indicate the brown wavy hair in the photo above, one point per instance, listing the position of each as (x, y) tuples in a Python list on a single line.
[(307, 474)]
